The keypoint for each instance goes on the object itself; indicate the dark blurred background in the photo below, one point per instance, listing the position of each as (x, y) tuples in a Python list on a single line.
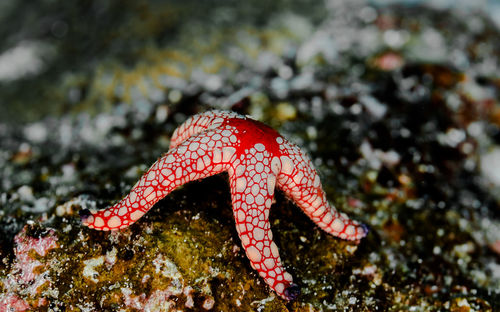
[(52, 52)]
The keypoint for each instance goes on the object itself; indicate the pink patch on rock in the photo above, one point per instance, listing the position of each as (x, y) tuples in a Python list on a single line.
[(24, 244), (158, 299), (11, 302), (389, 61), (22, 281), (496, 247)]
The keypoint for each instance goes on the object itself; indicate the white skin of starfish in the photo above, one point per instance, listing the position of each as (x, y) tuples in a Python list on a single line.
[(211, 143)]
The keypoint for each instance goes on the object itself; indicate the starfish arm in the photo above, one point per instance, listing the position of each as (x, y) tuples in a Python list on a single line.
[(252, 191), (299, 181), (258, 159), (199, 123), (198, 157)]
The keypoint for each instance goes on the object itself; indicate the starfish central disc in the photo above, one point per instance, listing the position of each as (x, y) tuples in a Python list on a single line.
[(258, 159)]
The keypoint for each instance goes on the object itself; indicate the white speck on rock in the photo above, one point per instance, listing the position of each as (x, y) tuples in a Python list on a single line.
[(167, 268), (36, 132), (452, 138), (373, 106), (208, 304), (111, 256), (25, 59), (90, 266), (189, 297), (463, 303), (25, 193), (262, 303), (377, 157), (490, 166)]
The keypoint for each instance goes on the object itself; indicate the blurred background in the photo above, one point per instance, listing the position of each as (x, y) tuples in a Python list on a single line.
[(58, 57)]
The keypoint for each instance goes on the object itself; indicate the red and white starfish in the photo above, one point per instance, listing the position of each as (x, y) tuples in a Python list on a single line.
[(258, 159)]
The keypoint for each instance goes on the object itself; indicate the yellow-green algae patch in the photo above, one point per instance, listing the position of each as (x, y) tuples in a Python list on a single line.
[(187, 260)]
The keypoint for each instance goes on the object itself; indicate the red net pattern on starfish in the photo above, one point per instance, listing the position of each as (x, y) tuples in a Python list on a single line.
[(258, 159)]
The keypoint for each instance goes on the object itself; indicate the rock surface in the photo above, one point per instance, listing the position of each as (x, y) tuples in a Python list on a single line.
[(397, 106)]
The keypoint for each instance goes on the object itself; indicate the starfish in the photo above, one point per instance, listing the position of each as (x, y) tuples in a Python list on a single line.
[(258, 159)]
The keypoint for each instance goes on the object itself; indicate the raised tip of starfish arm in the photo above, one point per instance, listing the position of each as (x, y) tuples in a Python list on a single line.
[(300, 182), (292, 292)]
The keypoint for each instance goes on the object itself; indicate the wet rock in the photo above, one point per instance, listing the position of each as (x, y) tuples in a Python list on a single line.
[(397, 107)]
